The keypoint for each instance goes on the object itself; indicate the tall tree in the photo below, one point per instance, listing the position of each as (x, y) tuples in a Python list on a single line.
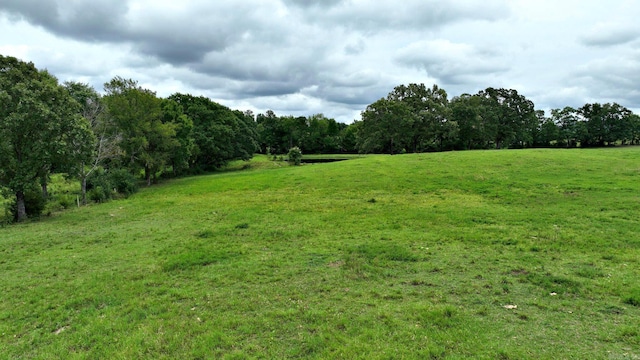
[(431, 121), (40, 128), (147, 142), (570, 127), (180, 157), (466, 112), (386, 127), (510, 117), (105, 147), (606, 123), (219, 134)]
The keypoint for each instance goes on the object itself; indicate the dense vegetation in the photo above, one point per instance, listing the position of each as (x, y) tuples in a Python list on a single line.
[(529, 254)]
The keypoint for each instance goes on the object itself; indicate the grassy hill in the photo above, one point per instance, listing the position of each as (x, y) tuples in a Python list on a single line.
[(531, 254)]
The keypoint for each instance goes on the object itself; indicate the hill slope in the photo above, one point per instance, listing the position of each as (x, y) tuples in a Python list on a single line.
[(489, 254)]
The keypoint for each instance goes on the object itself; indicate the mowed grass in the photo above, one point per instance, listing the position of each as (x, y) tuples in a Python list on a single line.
[(531, 254)]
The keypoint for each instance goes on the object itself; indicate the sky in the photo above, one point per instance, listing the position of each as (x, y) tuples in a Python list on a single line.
[(304, 57)]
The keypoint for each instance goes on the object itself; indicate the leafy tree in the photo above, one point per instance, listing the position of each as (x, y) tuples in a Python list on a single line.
[(323, 135), (548, 132), (219, 134), (147, 142), (348, 138), (180, 158), (246, 136), (605, 124), (386, 127), (509, 117), (431, 125), (634, 126), (271, 133), (466, 112), (570, 126), (40, 128)]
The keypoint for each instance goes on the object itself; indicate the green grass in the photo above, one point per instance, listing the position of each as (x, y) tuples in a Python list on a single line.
[(531, 254)]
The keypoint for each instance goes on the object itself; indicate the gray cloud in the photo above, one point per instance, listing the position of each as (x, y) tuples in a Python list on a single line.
[(612, 79), (88, 21), (451, 63), (360, 15), (331, 56)]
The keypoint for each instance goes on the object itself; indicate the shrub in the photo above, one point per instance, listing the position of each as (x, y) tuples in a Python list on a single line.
[(66, 201), (123, 181), (295, 155), (100, 184), (98, 194)]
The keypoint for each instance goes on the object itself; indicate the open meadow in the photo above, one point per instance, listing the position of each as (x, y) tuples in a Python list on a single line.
[(519, 254)]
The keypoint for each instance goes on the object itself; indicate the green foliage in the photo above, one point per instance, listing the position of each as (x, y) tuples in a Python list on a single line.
[(295, 156), (104, 185), (40, 128), (386, 127), (33, 201), (219, 134), (147, 142), (123, 181)]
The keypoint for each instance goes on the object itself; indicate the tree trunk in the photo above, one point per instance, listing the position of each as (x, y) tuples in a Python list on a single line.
[(21, 212), (83, 190), (45, 191), (147, 175)]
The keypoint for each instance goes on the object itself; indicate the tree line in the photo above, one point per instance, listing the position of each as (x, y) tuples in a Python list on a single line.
[(416, 118), (108, 141)]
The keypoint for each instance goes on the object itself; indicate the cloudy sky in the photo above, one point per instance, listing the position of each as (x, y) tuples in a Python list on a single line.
[(301, 57)]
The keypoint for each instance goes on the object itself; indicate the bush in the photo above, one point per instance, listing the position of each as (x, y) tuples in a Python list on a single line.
[(295, 155), (123, 181), (101, 184), (66, 201), (98, 194)]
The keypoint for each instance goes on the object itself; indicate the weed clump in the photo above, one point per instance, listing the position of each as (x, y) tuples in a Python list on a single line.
[(633, 298)]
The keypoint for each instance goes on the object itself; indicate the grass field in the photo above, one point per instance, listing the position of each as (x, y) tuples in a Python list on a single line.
[(531, 254)]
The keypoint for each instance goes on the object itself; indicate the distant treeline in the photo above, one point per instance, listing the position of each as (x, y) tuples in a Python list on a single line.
[(416, 118)]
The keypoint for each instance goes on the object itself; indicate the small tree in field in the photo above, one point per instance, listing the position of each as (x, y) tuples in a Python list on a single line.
[(295, 155)]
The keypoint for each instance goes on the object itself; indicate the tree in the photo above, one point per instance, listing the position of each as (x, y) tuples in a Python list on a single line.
[(386, 127), (431, 124), (147, 142), (570, 126), (219, 134), (466, 112), (509, 116), (105, 147), (548, 132), (180, 158), (40, 128), (606, 124), (271, 133)]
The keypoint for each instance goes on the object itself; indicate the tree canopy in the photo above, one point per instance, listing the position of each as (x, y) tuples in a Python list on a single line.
[(40, 128)]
